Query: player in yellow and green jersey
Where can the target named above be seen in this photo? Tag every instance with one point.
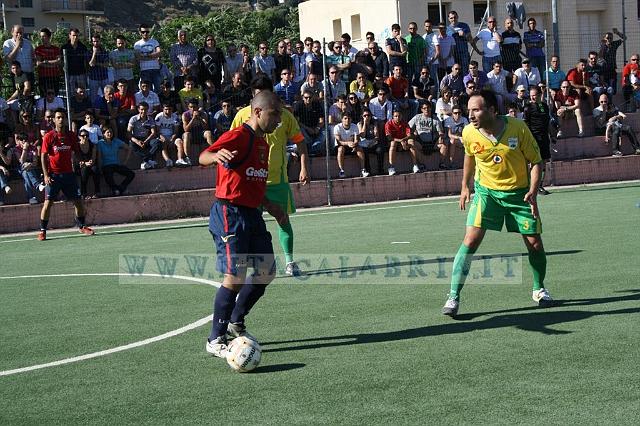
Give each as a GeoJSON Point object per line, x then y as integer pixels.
{"type": "Point", "coordinates": [498, 152]}
{"type": "Point", "coordinates": [278, 189]}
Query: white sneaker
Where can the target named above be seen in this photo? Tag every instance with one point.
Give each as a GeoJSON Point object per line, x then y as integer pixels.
{"type": "Point", "coordinates": [416, 169]}
{"type": "Point", "coordinates": [41, 187]}
{"type": "Point", "coordinates": [217, 347]}
{"type": "Point", "coordinates": [542, 298]}
{"type": "Point", "coordinates": [144, 165]}
{"type": "Point", "coordinates": [7, 189]}
{"type": "Point", "coordinates": [392, 170]}
{"type": "Point", "coordinates": [450, 308]}
{"type": "Point", "coordinates": [33, 200]}
{"type": "Point", "coordinates": [364, 173]}
{"type": "Point", "coordinates": [292, 269]}
{"type": "Point", "coordinates": [168, 164]}
{"type": "Point", "coordinates": [181, 162]}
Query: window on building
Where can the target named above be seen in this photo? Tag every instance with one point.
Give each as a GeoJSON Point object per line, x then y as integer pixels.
{"type": "Point", "coordinates": [434, 14]}
{"type": "Point", "coordinates": [337, 29]}
{"type": "Point", "coordinates": [26, 3]}
{"type": "Point", "coordinates": [356, 33]}
{"type": "Point", "coordinates": [479, 10]}
{"type": "Point", "coordinates": [28, 22]}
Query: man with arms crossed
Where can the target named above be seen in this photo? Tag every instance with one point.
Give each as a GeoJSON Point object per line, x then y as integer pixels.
{"type": "Point", "coordinates": [498, 153]}
{"type": "Point", "coordinates": [236, 224]}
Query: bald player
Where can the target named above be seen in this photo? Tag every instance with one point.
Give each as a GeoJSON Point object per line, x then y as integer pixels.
{"type": "Point", "coordinates": [235, 222]}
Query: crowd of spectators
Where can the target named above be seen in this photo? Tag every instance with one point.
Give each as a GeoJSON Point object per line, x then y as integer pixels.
{"type": "Point", "coordinates": [408, 92]}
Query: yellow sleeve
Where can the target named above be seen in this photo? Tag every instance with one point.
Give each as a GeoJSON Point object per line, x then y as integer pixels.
{"type": "Point", "coordinates": [241, 117]}
{"type": "Point", "coordinates": [529, 146]}
{"type": "Point", "coordinates": [293, 128]}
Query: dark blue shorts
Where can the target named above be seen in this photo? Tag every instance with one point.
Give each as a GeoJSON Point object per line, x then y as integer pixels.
{"type": "Point", "coordinates": [65, 182]}
{"type": "Point", "coordinates": [241, 239]}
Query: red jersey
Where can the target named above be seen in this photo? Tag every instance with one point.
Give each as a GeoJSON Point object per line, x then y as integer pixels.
{"type": "Point", "coordinates": [398, 86]}
{"type": "Point", "coordinates": [569, 100]}
{"type": "Point", "coordinates": [59, 147]}
{"type": "Point", "coordinates": [244, 183]}
{"type": "Point", "coordinates": [48, 53]}
{"type": "Point", "coordinates": [577, 77]}
{"type": "Point", "coordinates": [126, 101]}
{"type": "Point", "coordinates": [397, 130]}
{"type": "Point", "coordinates": [630, 69]}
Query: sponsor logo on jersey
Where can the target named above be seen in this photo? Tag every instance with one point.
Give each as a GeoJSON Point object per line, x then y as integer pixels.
{"type": "Point", "coordinates": [477, 148]}
{"type": "Point", "coordinates": [262, 154]}
{"type": "Point", "coordinates": [257, 173]}
{"type": "Point", "coordinates": [513, 143]}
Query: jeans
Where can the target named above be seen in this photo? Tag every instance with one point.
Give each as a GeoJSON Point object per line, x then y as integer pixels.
{"type": "Point", "coordinates": [154, 77]}
{"type": "Point", "coordinates": [487, 62]}
{"type": "Point", "coordinates": [149, 151]}
{"type": "Point", "coordinates": [108, 172]}
{"type": "Point", "coordinates": [4, 182]}
{"type": "Point", "coordinates": [315, 144]}
{"type": "Point", "coordinates": [539, 62]}
{"type": "Point", "coordinates": [617, 131]}
{"type": "Point", "coordinates": [31, 181]}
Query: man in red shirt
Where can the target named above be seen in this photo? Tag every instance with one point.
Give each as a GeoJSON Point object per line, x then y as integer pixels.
{"type": "Point", "coordinates": [239, 232]}
{"type": "Point", "coordinates": [48, 60]}
{"type": "Point", "coordinates": [399, 136]}
{"type": "Point", "coordinates": [58, 147]}
{"type": "Point", "coordinates": [400, 93]}
{"type": "Point", "coordinates": [579, 79]}
{"type": "Point", "coordinates": [568, 103]}
{"type": "Point", "coordinates": [630, 81]}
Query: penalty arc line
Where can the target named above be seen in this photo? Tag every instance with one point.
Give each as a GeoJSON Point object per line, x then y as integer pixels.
{"type": "Point", "coordinates": [105, 352]}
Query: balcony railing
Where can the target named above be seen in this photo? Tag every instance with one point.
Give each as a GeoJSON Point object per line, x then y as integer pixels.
{"type": "Point", "coordinates": [48, 5]}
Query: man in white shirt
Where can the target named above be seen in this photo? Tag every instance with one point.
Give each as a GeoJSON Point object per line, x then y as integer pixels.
{"type": "Point", "coordinates": [497, 81]}
{"type": "Point", "coordinates": [526, 75]}
{"type": "Point", "coordinates": [151, 98]}
{"type": "Point", "coordinates": [20, 49]}
{"type": "Point", "coordinates": [491, 40]}
{"type": "Point", "coordinates": [148, 51]}
{"type": "Point", "coordinates": [347, 137]}
{"type": "Point", "coordinates": [444, 46]}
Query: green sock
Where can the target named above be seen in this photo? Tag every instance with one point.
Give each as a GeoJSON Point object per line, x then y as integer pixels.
{"type": "Point", "coordinates": [461, 265]}
{"type": "Point", "coordinates": [285, 233]}
{"type": "Point", "coordinates": [538, 262]}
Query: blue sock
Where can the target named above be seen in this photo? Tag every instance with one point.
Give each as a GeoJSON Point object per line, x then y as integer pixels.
{"type": "Point", "coordinates": [223, 305]}
{"type": "Point", "coordinates": [248, 296]}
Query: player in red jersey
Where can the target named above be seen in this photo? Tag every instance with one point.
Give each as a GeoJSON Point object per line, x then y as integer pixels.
{"type": "Point", "coordinates": [239, 232]}
{"type": "Point", "coordinates": [58, 147]}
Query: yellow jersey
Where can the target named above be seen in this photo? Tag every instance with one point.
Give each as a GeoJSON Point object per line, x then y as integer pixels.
{"type": "Point", "coordinates": [502, 165]}
{"type": "Point", "coordinates": [288, 130]}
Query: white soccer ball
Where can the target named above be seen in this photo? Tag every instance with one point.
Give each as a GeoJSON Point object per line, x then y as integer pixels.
{"type": "Point", "coordinates": [243, 354]}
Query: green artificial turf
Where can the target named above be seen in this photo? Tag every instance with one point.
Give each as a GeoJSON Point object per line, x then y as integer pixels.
{"type": "Point", "coordinates": [337, 348]}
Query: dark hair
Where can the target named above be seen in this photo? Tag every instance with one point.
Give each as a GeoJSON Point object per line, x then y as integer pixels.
{"type": "Point", "coordinates": [143, 25]}
{"type": "Point", "coordinates": [22, 136]}
{"type": "Point", "coordinates": [16, 63]}
{"type": "Point", "coordinates": [345, 114]}
{"type": "Point", "coordinates": [147, 82]}
{"type": "Point", "coordinates": [308, 39]}
{"type": "Point", "coordinates": [346, 36]}
{"type": "Point", "coordinates": [46, 30]}
{"type": "Point", "coordinates": [369, 33]}
{"type": "Point", "coordinates": [167, 104]}
{"type": "Point", "coordinates": [582, 61]}
{"type": "Point", "coordinates": [428, 21]}
{"type": "Point", "coordinates": [121, 37]}
{"type": "Point", "coordinates": [474, 63]}
{"type": "Point", "coordinates": [261, 82]}
{"type": "Point", "coordinates": [489, 98]}
{"type": "Point", "coordinates": [341, 98]}
{"type": "Point", "coordinates": [395, 27]}
{"type": "Point", "coordinates": [331, 45]}
{"type": "Point", "coordinates": [593, 52]}
{"type": "Point", "coordinates": [61, 111]}
{"type": "Point", "coordinates": [74, 30]}
{"type": "Point", "coordinates": [143, 104]}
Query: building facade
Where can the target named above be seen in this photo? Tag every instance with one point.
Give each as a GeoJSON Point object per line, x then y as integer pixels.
{"type": "Point", "coordinates": [35, 14]}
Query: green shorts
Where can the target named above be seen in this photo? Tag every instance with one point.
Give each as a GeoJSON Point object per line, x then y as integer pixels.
{"type": "Point", "coordinates": [490, 209]}
{"type": "Point", "coordinates": [280, 194]}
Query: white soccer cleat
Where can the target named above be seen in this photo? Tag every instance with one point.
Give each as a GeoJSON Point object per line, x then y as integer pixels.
{"type": "Point", "coordinates": [542, 298]}
{"type": "Point", "coordinates": [217, 347]}
{"type": "Point", "coordinates": [292, 269]}
{"type": "Point", "coordinates": [364, 173]}
{"type": "Point", "coordinates": [181, 162]}
{"type": "Point", "coordinates": [144, 165]}
{"type": "Point", "coordinates": [392, 170]}
{"type": "Point", "coordinates": [450, 308]}
{"type": "Point", "coordinates": [416, 169]}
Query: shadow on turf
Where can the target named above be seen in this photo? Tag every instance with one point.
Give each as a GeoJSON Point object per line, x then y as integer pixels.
{"type": "Point", "coordinates": [521, 318]}
{"type": "Point", "coordinates": [278, 367]}
{"type": "Point", "coordinates": [419, 262]}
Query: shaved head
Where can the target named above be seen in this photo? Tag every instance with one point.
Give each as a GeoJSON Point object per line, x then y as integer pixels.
{"type": "Point", "coordinates": [265, 100]}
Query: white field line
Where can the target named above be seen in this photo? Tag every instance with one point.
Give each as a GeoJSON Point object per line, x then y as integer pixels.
{"type": "Point", "coordinates": [105, 352]}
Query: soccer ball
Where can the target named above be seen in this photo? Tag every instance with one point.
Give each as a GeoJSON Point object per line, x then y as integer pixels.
{"type": "Point", "coordinates": [243, 354]}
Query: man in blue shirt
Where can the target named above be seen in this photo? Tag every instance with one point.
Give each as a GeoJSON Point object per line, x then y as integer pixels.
{"type": "Point", "coordinates": [534, 42]}
{"type": "Point", "coordinates": [461, 33]}
{"type": "Point", "coordinates": [109, 161]}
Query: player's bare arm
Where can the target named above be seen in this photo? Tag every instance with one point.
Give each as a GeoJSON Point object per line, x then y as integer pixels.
{"type": "Point", "coordinates": [208, 158]}
{"type": "Point", "coordinates": [467, 174]}
{"type": "Point", "coordinates": [530, 196]}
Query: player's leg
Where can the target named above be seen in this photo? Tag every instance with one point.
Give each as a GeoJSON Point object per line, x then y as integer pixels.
{"type": "Point", "coordinates": [340, 159]}
{"type": "Point", "coordinates": [226, 225]}
{"type": "Point", "coordinates": [282, 196]}
{"type": "Point", "coordinates": [262, 261]}
{"type": "Point", "coordinates": [413, 147]}
{"type": "Point", "coordinates": [538, 264]}
{"type": "Point", "coordinates": [361, 157]}
{"type": "Point", "coordinates": [208, 136]}
{"type": "Point", "coordinates": [392, 157]}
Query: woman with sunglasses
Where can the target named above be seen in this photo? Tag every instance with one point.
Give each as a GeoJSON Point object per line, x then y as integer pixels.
{"type": "Point", "coordinates": [211, 60]}
{"type": "Point", "coordinates": [85, 164]}
{"type": "Point", "coordinates": [354, 107]}
{"type": "Point", "coordinates": [368, 132]}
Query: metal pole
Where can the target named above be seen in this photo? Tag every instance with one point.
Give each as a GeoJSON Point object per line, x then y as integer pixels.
{"type": "Point", "coordinates": [66, 86]}
{"type": "Point", "coordinates": [554, 27]}
{"type": "Point", "coordinates": [624, 31]}
{"type": "Point", "coordinates": [4, 18]}
{"type": "Point", "coordinates": [326, 118]}
{"type": "Point", "coordinates": [440, 11]}
{"type": "Point", "coordinates": [88, 25]}
{"type": "Point", "coordinates": [489, 8]}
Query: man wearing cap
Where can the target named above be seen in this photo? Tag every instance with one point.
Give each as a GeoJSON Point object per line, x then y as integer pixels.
{"type": "Point", "coordinates": [526, 75]}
